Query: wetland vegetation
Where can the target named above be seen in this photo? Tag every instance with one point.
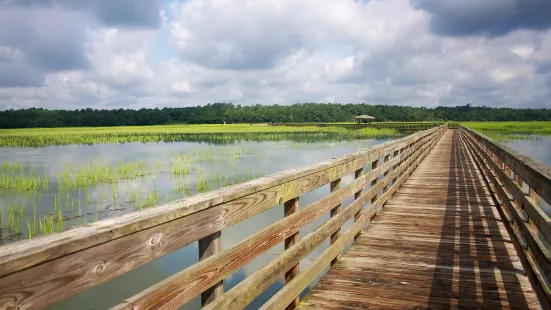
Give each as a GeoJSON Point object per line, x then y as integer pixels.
{"type": "Point", "coordinates": [57, 178]}
{"type": "Point", "coordinates": [54, 179]}
{"type": "Point", "coordinates": [221, 134]}
{"type": "Point", "coordinates": [509, 132]}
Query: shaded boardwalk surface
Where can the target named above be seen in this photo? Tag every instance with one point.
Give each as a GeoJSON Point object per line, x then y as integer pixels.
{"type": "Point", "coordinates": [439, 243]}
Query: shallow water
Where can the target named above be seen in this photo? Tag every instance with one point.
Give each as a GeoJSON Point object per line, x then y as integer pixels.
{"type": "Point", "coordinates": [539, 148]}
{"type": "Point", "coordinates": [207, 163]}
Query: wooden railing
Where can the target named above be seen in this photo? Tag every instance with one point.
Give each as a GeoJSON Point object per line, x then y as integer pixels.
{"type": "Point", "coordinates": [520, 185]}
{"type": "Point", "coordinates": [405, 126]}
{"type": "Point", "coordinates": [42, 271]}
{"type": "Point", "coordinates": [413, 125]}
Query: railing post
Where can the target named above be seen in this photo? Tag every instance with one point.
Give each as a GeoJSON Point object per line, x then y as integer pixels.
{"type": "Point", "coordinates": [357, 174]}
{"type": "Point", "coordinates": [386, 158]}
{"type": "Point", "coordinates": [518, 180]}
{"type": "Point", "coordinates": [209, 246]}
{"type": "Point", "coordinates": [507, 170]}
{"type": "Point", "coordinates": [374, 166]}
{"type": "Point", "coordinates": [532, 193]}
{"type": "Point", "coordinates": [289, 208]}
{"type": "Point", "coordinates": [396, 153]}
{"type": "Point", "coordinates": [335, 185]}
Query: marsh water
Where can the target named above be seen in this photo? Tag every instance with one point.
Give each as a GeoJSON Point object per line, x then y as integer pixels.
{"type": "Point", "coordinates": [86, 183]}
{"type": "Point", "coordinates": [537, 147]}
{"type": "Point", "coordinates": [59, 187]}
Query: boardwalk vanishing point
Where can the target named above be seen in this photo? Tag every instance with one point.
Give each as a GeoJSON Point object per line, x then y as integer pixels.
{"type": "Point", "coordinates": [439, 243]}
{"type": "Point", "coordinates": [443, 219]}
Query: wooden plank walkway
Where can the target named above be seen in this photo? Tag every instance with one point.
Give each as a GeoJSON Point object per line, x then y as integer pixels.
{"type": "Point", "coordinates": [439, 243]}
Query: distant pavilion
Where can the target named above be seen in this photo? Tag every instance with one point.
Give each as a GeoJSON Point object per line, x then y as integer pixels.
{"type": "Point", "coordinates": [363, 119]}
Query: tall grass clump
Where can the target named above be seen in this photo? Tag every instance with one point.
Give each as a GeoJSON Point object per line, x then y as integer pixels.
{"type": "Point", "coordinates": [32, 137]}
{"type": "Point", "coordinates": [526, 128]}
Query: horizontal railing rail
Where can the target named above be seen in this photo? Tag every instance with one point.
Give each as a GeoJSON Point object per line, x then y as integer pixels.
{"type": "Point", "coordinates": [391, 125]}
{"type": "Point", "coordinates": [41, 271]}
{"type": "Point", "coordinates": [520, 185]}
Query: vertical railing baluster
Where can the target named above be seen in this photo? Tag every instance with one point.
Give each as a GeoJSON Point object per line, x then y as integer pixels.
{"type": "Point", "coordinates": [535, 197]}
{"type": "Point", "coordinates": [357, 174]}
{"type": "Point", "coordinates": [334, 186]}
{"type": "Point", "coordinates": [402, 150]}
{"type": "Point", "coordinates": [374, 166]}
{"type": "Point", "coordinates": [507, 170]}
{"type": "Point", "coordinates": [396, 153]}
{"type": "Point", "coordinates": [209, 246]}
{"type": "Point", "coordinates": [289, 208]}
{"type": "Point", "coordinates": [386, 159]}
{"type": "Point", "coordinates": [518, 180]}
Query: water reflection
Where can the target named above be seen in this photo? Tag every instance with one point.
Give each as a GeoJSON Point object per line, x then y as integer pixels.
{"type": "Point", "coordinates": [265, 157]}
{"type": "Point", "coordinates": [539, 148]}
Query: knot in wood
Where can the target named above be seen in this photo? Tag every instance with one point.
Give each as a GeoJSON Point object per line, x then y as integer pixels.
{"type": "Point", "coordinates": [155, 239]}
{"type": "Point", "coordinates": [99, 266]}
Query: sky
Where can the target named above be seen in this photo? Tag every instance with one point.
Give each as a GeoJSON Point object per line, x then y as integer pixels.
{"type": "Point", "coordinates": [105, 54]}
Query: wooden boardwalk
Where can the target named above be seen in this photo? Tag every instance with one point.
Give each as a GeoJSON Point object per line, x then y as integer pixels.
{"type": "Point", "coordinates": [455, 222]}
{"type": "Point", "coordinates": [439, 243]}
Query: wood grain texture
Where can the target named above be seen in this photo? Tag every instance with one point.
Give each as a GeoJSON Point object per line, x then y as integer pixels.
{"type": "Point", "coordinates": [243, 293]}
{"type": "Point", "coordinates": [534, 249]}
{"type": "Point", "coordinates": [209, 246]}
{"type": "Point", "coordinates": [321, 262]}
{"type": "Point", "coordinates": [39, 272]}
{"type": "Point", "coordinates": [357, 174]}
{"type": "Point", "coordinates": [450, 250]}
{"type": "Point", "coordinates": [173, 291]}
{"type": "Point", "coordinates": [17, 256]}
{"type": "Point", "coordinates": [535, 174]}
{"type": "Point", "coordinates": [60, 265]}
{"type": "Point", "coordinates": [514, 192]}
{"type": "Point", "coordinates": [334, 186]}
{"type": "Point", "coordinates": [291, 207]}
{"type": "Point", "coordinates": [305, 278]}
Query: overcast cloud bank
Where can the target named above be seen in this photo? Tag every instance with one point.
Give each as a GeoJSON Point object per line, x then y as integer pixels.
{"type": "Point", "coordinates": [146, 53]}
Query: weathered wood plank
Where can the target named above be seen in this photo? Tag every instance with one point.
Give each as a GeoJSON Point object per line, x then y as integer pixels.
{"type": "Point", "coordinates": [357, 174]}
{"type": "Point", "coordinates": [536, 253]}
{"type": "Point", "coordinates": [334, 186]}
{"type": "Point", "coordinates": [447, 247]}
{"type": "Point", "coordinates": [90, 255]}
{"type": "Point", "coordinates": [291, 207]}
{"type": "Point", "coordinates": [302, 280]}
{"type": "Point", "coordinates": [243, 293]}
{"type": "Point", "coordinates": [172, 291]}
{"type": "Point", "coordinates": [513, 190]}
{"type": "Point", "coordinates": [239, 296]}
{"type": "Point", "coordinates": [208, 247]}
{"type": "Point", "coordinates": [532, 172]}
{"type": "Point", "coordinates": [17, 256]}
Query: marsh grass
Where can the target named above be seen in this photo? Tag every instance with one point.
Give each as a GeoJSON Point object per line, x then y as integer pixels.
{"type": "Point", "coordinates": [33, 137]}
{"type": "Point", "coordinates": [43, 199]}
{"type": "Point", "coordinates": [508, 128]}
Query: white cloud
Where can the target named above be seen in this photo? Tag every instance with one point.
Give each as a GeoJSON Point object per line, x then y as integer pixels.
{"type": "Point", "coordinates": [267, 52]}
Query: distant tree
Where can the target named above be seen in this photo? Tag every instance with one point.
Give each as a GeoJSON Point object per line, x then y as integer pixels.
{"type": "Point", "coordinates": [217, 113]}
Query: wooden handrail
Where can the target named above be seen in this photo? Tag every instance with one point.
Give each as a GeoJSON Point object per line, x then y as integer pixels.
{"type": "Point", "coordinates": [41, 271]}
{"type": "Point", "coordinates": [506, 172]}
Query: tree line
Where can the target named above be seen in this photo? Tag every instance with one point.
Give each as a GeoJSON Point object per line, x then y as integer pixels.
{"type": "Point", "coordinates": [218, 113]}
